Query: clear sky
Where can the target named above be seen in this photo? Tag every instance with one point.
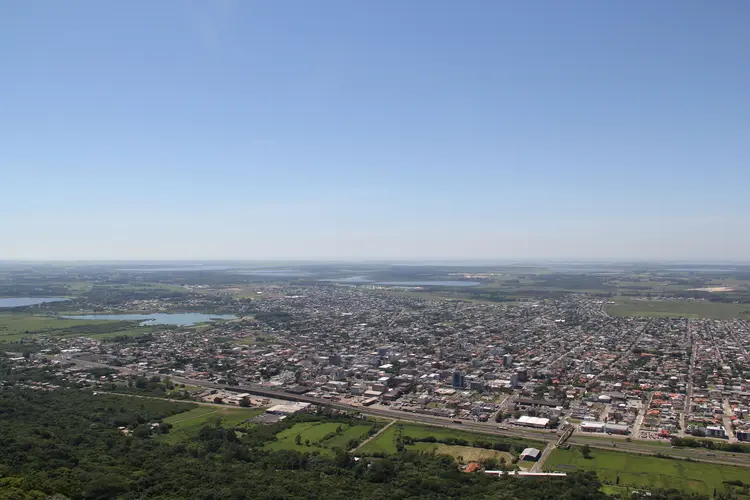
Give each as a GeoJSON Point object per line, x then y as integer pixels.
{"type": "Point", "coordinates": [375, 129]}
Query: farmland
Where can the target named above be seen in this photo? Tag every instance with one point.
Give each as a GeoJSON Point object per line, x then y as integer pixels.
{"type": "Point", "coordinates": [678, 308]}
{"type": "Point", "coordinates": [463, 453]}
{"type": "Point", "coordinates": [187, 425]}
{"type": "Point", "coordinates": [454, 442]}
{"type": "Point", "coordinates": [641, 471]}
{"type": "Point", "coordinates": [323, 437]}
{"type": "Point", "coordinates": [17, 326]}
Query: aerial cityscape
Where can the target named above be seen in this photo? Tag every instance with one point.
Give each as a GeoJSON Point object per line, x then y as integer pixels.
{"type": "Point", "coordinates": [627, 357]}
{"type": "Point", "coordinates": [382, 250]}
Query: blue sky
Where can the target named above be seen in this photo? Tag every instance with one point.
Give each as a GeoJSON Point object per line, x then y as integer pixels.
{"type": "Point", "coordinates": [375, 129]}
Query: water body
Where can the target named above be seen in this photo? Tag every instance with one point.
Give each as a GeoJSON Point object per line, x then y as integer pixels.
{"type": "Point", "coordinates": [277, 272]}
{"type": "Point", "coordinates": [429, 283]}
{"type": "Point", "coordinates": [28, 301]}
{"type": "Point", "coordinates": [174, 269]}
{"type": "Point", "coordinates": [701, 269]}
{"type": "Point", "coordinates": [350, 279]}
{"type": "Point", "coordinates": [180, 319]}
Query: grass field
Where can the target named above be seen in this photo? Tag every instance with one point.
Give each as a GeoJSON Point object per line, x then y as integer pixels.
{"type": "Point", "coordinates": [186, 426]}
{"type": "Point", "coordinates": [386, 442]}
{"type": "Point", "coordinates": [315, 433]}
{"type": "Point", "coordinates": [17, 326]}
{"type": "Point", "coordinates": [142, 287]}
{"type": "Point", "coordinates": [641, 471]}
{"type": "Point", "coordinates": [678, 308]}
{"type": "Point", "coordinates": [462, 454]}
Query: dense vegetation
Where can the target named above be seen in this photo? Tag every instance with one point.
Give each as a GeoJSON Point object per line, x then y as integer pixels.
{"type": "Point", "coordinates": [68, 443]}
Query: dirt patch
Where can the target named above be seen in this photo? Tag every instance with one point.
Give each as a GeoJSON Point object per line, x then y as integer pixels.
{"type": "Point", "coordinates": [470, 454]}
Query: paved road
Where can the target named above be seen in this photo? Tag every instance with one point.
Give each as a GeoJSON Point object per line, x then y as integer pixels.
{"type": "Point", "coordinates": [727, 419]}
{"type": "Point", "coordinates": [634, 446]}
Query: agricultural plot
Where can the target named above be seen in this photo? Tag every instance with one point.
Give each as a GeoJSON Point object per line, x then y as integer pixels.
{"type": "Point", "coordinates": [14, 327]}
{"type": "Point", "coordinates": [387, 442]}
{"type": "Point", "coordinates": [463, 454]}
{"type": "Point", "coordinates": [678, 308]}
{"type": "Point", "coordinates": [642, 471]}
{"type": "Point", "coordinates": [187, 425]}
{"type": "Point", "coordinates": [323, 437]}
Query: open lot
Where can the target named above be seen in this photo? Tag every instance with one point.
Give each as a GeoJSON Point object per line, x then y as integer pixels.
{"type": "Point", "coordinates": [17, 326]}
{"type": "Point", "coordinates": [386, 442]}
{"type": "Point", "coordinates": [316, 436]}
{"type": "Point", "coordinates": [463, 454]}
{"type": "Point", "coordinates": [678, 308]}
{"type": "Point", "coordinates": [187, 425]}
{"type": "Point", "coordinates": [642, 471]}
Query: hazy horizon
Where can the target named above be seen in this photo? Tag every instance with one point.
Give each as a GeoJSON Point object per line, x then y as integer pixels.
{"type": "Point", "coordinates": [429, 130]}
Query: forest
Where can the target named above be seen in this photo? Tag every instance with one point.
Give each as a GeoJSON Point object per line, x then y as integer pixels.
{"type": "Point", "coordinates": [70, 443]}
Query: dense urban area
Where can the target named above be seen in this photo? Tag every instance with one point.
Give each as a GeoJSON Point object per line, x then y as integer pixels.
{"type": "Point", "coordinates": [635, 378]}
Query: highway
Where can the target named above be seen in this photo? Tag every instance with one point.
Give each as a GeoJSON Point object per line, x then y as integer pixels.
{"type": "Point", "coordinates": [612, 443]}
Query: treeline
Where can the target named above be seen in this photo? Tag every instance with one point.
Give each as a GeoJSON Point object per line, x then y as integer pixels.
{"type": "Point", "coordinates": [711, 445]}
{"type": "Point", "coordinates": [153, 386]}
{"type": "Point", "coordinates": [110, 295]}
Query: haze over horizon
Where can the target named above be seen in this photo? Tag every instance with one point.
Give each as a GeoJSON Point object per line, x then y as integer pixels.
{"type": "Point", "coordinates": [340, 130]}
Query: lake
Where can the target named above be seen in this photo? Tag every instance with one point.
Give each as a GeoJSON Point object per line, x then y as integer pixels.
{"type": "Point", "coordinates": [179, 319]}
{"type": "Point", "coordinates": [156, 269]}
{"type": "Point", "coordinates": [429, 283]}
{"type": "Point", "coordinates": [28, 301]}
{"type": "Point", "coordinates": [350, 279]}
{"type": "Point", "coordinates": [282, 273]}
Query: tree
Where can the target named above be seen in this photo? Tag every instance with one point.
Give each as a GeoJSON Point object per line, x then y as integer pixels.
{"type": "Point", "coordinates": [245, 402]}
{"type": "Point", "coordinates": [218, 400]}
{"type": "Point", "coordinates": [105, 486]}
{"type": "Point", "coordinates": [297, 440]}
{"type": "Point", "coordinates": [586, 451]}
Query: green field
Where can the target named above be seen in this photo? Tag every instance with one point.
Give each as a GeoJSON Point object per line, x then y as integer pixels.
{"type": "Point", "coordinates": [678, 308]}
{"type": "Point", "coordinates": [186, 426]}
{"type": "Point", "coordinates": [141, 287]}
{"type": "Point", "coordinates": [17, 326]}
{"type": "Point", "coordinates": [642, 471]}
{"type": "Point", "coordinates": [386, 442]}
{"type": "Point", "coordinates": [315, 433]}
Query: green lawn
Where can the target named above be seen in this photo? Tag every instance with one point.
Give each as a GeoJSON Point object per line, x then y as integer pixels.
{"type": "Point", "coordinates": [386, 442]}
{"type": "Point", "coordinates": [315, 433]}
{"type": "Point", "coordinates": [186, 426]}
{"type": "Point", "coordinates": [642, 471]}
{"type": "Point", "coordinates": [678, 308]}
{"type": "Point", "coordinates": [17, 326]}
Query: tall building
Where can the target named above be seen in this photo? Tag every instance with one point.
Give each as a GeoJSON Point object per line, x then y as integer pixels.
{"type": "Point", "coordinates": [507, 360]}
{"type": "Point", "coordinates": [588, 366]}
{"type": "Point", "coordinates": [459, 379]}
